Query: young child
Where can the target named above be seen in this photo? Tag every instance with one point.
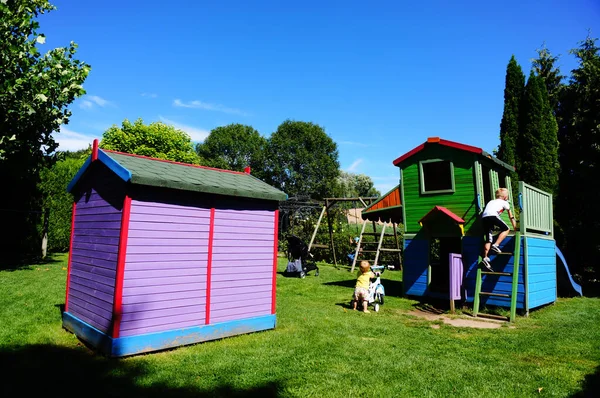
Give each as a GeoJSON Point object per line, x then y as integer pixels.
{"type": "Point", "coordinates": [361, 291]}
{"type": "Point", "coordinates": [490, 219]}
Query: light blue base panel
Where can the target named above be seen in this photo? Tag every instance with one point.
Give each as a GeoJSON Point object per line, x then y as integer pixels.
{"type": "Point", "coordinates": [541, 271]}
{"type": "Point", "coordinates": [131, 345]}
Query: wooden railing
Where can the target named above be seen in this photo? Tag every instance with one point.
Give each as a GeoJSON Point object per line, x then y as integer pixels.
{"type": "Point", "coordinates": [536, 210]}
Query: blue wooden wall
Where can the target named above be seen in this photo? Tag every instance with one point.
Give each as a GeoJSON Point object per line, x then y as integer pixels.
{"type": "Point", "coordinates": [472, 248]}
{"type": "Point", "coordinates": [541, 271]}
{"type": "Point", "coordinates": [537, 255]}
{"type": "Point", "coordinates": [416, 263]}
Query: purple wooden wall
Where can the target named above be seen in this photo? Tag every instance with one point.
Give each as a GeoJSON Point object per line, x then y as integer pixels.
{"type": "Point", "coordinates": [456, 276]}
{"type": "Point", "coordinates": [242, 264]}
{"type": "Point", "coordinates": [94, 251]}
{"type": "Point", "coordinates": [164, 284]}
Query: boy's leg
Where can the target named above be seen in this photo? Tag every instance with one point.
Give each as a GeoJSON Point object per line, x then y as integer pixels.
{"type": "Point", "coordinates": [365, 306]}
{"type": "Point", "coordinates": [501, 237]}
{"type": "Point", "coordinates": [486, 249]}
{"type": "Point", "coordinates": [503, 231]}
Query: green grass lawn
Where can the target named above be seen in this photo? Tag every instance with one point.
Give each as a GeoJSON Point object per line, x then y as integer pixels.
{"type": "Point", "coordinates": [320, 348]}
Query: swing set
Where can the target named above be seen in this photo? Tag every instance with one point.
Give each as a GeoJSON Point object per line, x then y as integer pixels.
{"type": "Point", "coordinates": [364, 247]}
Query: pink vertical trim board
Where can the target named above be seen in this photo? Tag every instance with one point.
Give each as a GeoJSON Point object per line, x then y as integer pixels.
{"type": "Point", "coordinates": [211, 233]}
{"type": "Point", "coordinates": [118, 296]}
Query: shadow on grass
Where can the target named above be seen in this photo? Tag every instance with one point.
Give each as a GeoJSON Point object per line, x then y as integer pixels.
{"type": "Point", "coordinates": [47, 370]}
{"type": "Point", "coordinates": [591, 386]}
{"type": "Point", "coordinates": [23, 264]}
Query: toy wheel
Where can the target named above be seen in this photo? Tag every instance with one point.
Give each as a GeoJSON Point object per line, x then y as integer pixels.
{"type": "Point", "coordinates": [376, 307]}
{"type": "Point", "coordinates": [302, 274]}
{"type": "Point", "coordinates": [317, 273]}
{"type": "Point", "coordinates": [381, 298]}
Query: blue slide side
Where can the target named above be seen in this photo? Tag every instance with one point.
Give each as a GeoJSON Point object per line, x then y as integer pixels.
{"type": "Point", "coordinates": [576, 286]}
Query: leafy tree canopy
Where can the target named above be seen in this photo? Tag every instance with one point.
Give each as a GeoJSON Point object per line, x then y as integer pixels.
{"type": "Point", "coordinates": [352, 185]}
{"type": "Point", "coordinates": [35, 91]}
{"type": "Point", "coordinates": [157, 140]}
{"type": "Point", "coordinates": [301, 159]}
{"type": "Point", "coordinates": [233, 147]}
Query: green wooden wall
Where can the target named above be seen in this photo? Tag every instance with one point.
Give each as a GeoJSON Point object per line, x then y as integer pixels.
{"type": "Point", "coordinates": [462, 202]}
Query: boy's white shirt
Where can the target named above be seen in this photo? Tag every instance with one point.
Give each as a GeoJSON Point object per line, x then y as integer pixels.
{"type": "Point", "coordinates": [495, 207]}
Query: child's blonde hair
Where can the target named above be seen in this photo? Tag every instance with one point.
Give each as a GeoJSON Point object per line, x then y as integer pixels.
{"type": "Point", "coordinates": [364, 266]}
{"type": "Point", "coordinates": [501, 193]}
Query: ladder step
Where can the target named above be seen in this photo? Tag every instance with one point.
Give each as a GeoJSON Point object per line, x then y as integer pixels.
{"type": "Point", "coordinates": [369, 251]}
{"type": "Point", "coordinates": [501, 254]}
{"type": "Point", "coordinates": [318, 246]}
{"type": "Point", "coordinates": [376, 234]}
{"type": "Point", "coordinates": [390, 250]}
{"type": "Point", "coordinates": [496, 273]}
{"type": "Point", "coordinates": [494, 294]}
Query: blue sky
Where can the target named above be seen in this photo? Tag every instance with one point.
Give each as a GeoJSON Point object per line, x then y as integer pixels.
{"type": "Point", "coordinates": [379, 78]}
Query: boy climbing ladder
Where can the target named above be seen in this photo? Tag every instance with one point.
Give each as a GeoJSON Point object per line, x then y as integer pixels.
{"type": "Point", "coordinates": [490, 219]}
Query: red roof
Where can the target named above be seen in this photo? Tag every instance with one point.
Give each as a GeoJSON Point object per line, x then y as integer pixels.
{"type": "Point", "coordinates": [439, 141]}
{"type": "Point", "coordinates": [445, 211]}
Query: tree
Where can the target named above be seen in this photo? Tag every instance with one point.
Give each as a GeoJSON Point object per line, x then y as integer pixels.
{"type": "Point", "coordinates": [545, 67]}
{"type": "Point", "coordinates": [579, 137]}
{"type": "Point", "coordinates": [509, 126]}
{"type": "Point", "coordinates": [301, 159]}
{"type": "Point", "coordinates": [537, 147]}
{"type": "Point", "coordinates": [233, 147]}
{"type": "Point", "coordinates": [352, 185]}
{"type": "Point", "coordinates": [157, 140]}
{"type": "Point", "coordinates": [35, 92]}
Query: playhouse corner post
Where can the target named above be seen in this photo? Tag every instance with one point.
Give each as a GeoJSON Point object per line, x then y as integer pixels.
{"type": "Point", "coordinates": [275, 247]}
{"type": "Point", "coordinates": [120, 274]}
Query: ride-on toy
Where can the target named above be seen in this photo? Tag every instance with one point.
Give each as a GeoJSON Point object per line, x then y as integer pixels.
{"type": "Point", "coordinates": [376, 289]}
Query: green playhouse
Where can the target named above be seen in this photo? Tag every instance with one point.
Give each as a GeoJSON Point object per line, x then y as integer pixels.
{"type": "Point", "coordinates": [444, 187]}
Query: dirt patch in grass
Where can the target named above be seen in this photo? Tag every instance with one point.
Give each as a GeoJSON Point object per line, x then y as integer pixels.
{"type": "Point", "coordinates": [456, 321]}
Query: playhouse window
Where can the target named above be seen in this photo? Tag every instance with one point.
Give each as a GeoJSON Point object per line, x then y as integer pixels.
{"type": "Point", "coordinates": [437, 176]}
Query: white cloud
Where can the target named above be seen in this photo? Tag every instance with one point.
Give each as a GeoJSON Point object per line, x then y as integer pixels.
{"type": "Point", "coordinates": [385, 184]}
{"type": "Point", "coordinates": [208, 107]}
{"type": "Point", "coordinates": [149, 95]}
{"type": "Point", "coordinates": [86, 105]}
{"type": "Point", "coordinates": [99, 100]}
{"type": "Point", "coordinates": [354, 165]}
{"type": "Point", "coordinates": [196, 134]}
{"type": "Point", "coordinates": [89, 101]}
{"type": "Point", "coordinates": [353, 143]}
{"type": "Point", "coordinates": [69, 140]}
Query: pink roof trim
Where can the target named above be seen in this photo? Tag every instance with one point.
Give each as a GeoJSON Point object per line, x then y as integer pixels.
{"type": "Point", "coordinates": [438, 141]}
{"type": "Point", "coordinates": [445, 211]}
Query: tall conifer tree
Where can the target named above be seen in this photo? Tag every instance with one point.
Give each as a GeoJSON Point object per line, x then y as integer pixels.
{"type": "Point", "coordinates": [537, 146]}
{"type": "Point", "coordinates": [545, 67]}
{"type": "Point", "coordinates": [509, 126]}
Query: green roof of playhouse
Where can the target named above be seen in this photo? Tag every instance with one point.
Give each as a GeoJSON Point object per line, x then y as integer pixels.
{"type": "Point", "coordinates": [142, 170]}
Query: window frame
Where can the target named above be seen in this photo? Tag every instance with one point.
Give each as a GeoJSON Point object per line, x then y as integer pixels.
{"type": "Point", "coordinates": [422, 177]}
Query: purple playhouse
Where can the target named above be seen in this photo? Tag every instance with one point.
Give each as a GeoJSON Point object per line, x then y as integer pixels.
{"type": "Point", "coordinates": [165, 254]}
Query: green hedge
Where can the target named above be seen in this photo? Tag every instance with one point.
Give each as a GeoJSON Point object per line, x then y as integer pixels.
{"type": "Point", "coordinates": [58, 202]}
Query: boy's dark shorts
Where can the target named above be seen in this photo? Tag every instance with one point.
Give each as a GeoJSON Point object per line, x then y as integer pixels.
{"type": "Point", "coordinates": [488, 226]}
